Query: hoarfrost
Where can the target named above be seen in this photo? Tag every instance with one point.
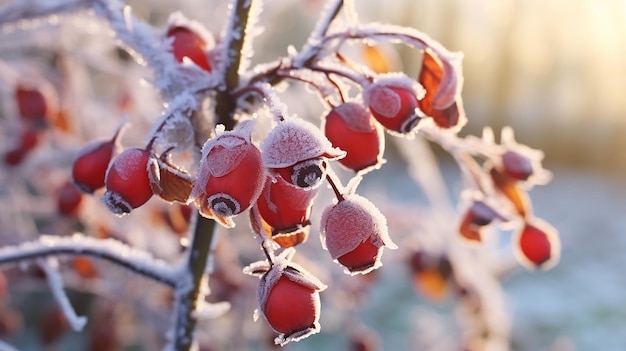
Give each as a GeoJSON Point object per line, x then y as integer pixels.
{"type": "Point", "coordinates": [296, 140]}
{"type": "Point", "coordinates": [356, 117]}
{"type": "Point", "coordinates": [127, 163]}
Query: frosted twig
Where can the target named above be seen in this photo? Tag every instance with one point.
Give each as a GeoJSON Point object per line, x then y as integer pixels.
{"type": "Point", "coordinates": [6, 347]}
{"type": "Point", "coordinates": [20, 12]}
{"type": "Point", "coordinates": [315, 40]}
{"type": "Point", "coordinates": [114, 251]}
{"type": "Point", "coordinates": [50, 267]}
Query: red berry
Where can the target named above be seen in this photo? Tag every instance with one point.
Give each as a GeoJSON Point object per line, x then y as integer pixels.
{"type": "Point", "coordinates": [289, 300]}
{"type": "Point", "coordinates": [127, 181]}
{"type": "Point", "coordinates": [393, 104]}
{"type": "Point", "coordinates": [90, 167]}
{"type": "Point", "coordinates": [285, 207]}
{"type": "Point", "coordinates": [231, 176]}
{"type": "Point", "coordinates": [516, 165]}
{"type": "Point", "coordinates": [290, 307]}
{"type": "Point", "coordinates": [351, 128]}
{"type": "Point", "coordinates": [14, 157]}
{"type": "Point", "coordinates": [188, 43]}
{"type": "Point", "coordinates": [31, 103]}
{"type": "Point", "coordinates": [354, 231]}
{"type": "Point", "coordinates": [69, 199]}
{"type": "Point", "coordinates": [537, 245]}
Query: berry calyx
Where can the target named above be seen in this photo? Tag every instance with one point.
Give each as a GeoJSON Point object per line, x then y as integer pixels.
{"type": "Point", "coordinates": [127, 181]}
{"type": "Point", "coordinates": [187, 43]}
{"type": "Point", "coordinates": [351, 128]}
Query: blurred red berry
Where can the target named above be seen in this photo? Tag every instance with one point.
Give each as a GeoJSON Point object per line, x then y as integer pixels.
{"type": "Point", "coordinates": [516, 165]}
{"type": "Point", "coordinates": [68, 199]}
{"type": "Point", "coordinates": [355, 232]}
{"type": "Point", "coordinates": [477, 216]}
{"type": "Point", "coordinates": [36, 104]}
{"type": "Point", "coordinates": [188, 43]}
{"type": "Point", "coordinates": [127, 181]}
{"type": "Point", "coordinates": [393, 103]}
{"type": "Point", "coordinates": [230, 177]}
{"type": "Point", "coordinates": [90, 166]}
{"type": "Point", "coordinates": [351, 128]}
{"type": "Point", "coordinates": [537, 245]}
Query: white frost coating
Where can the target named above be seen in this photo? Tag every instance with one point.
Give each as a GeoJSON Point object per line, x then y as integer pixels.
{"type": "Point", "coordinates": [350, 222]}
{"type": "Point", "coordinates": [295, 140]}
{"type": "Point", "coordinates": [207, 310]}
{"type": "Point", "coordinates": [55, 282]}
{"type": "Point", "coordinates": [18, 12]}
{"type": "Point", "coordinates": [174, 126]}
{"type": "Point", "coordinates": [113, 250]}
{"type": "Point", "coordinates": [126, 164]}
{"type": "Point", "coordinates": [356, 117]}
{"type": "Point", "coordinates": [177, 19]}
{"type": "Point", "coordinates": [312, 45]}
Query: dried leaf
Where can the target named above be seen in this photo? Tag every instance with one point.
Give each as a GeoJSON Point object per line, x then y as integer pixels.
{"type": "Point", "coordinates": [375, 59]}
{"type": "Point", "coordinates": [175, 184]}
{"type": "Point", "coordinates": [509, 188]}
{"type": "Point", "coordinates": [430, 77]}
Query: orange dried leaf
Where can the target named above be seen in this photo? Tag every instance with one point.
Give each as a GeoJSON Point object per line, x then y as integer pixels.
{"type": "Point", "coordinates": [375, 59]}
{"type": "Point", "coordinates": [84, 267]}
{"type": "Point", "coordinates": [508, 187]}
{"type": "Point", "coordinates": [431, 284]}
{"type": "Point", "coordinates": [175, 184]}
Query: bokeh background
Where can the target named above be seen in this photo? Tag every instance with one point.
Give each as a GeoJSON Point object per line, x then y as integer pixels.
{"type": "Point", "coordinates": [554, 70]}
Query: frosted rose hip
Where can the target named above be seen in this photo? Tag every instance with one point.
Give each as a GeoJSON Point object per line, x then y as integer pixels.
{"type": "Point", "coordinates": [289, 300]}
{"type": "Point", "coordinates": [230, 177]}
{"type": "Point", "coordinates": [393, 102]}
{"type": "Point", "coordinates": [90, 166]}
{"type": "Point", "coordinates": [354, 232]}
{"type": "Point", "coordinates": [187, 43]}
{"type": "Point", "coordinates": [350, 127]}
{"type": "Point", "coordinates": [127, 181]}
{"type": "Point", "coordinates": [537, 245]}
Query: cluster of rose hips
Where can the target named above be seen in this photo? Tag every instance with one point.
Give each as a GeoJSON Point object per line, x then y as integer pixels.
{"type": "Point", "coordinates": [37, 108]}
{"type": "Point", "coordinates": [509, 172]}
{"type": "Point", "coordinates": [278, 180]}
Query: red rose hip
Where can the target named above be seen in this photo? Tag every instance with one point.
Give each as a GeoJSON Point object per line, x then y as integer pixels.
{"type": "Point", "coordinates": [187, 43]}
{"type": "Point", "coordinates": [351, 128]}
{"type": "Point", "coordinates": [127, 181]}
{"type": "Point", "coordinates": [393, 102]}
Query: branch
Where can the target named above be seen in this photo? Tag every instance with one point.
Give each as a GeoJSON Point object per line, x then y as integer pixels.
{"type": "Point", "coordinates": [111, 250]}
{"type": "Point", "coordinates": [50, 267]}
{"type": "Point", "coordinates": [19, 11]}
{"type": "Point", "coordinates": [188, 288]}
